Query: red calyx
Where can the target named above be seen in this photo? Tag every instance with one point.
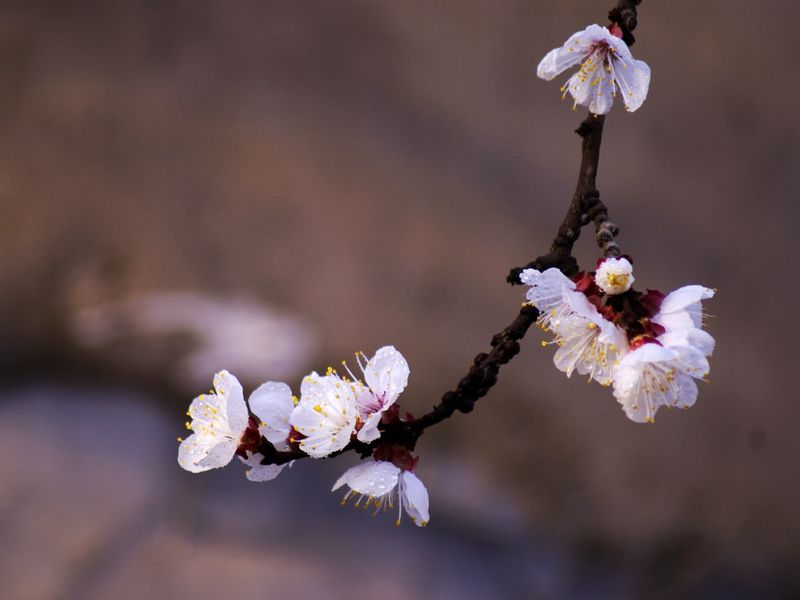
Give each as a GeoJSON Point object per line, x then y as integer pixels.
{"type": "Point", "coordinates": [651, 301]}
{"type": "Point", "coordinates": [391, 415]}
{"type": "Point", "coordinates": [641, 340]}
{"type": "Point", "coordinates": [250, 439]}
{"type": "Point", "coordinates": [615, 30]}
{"type": "Point", "coordinates": [295, 436]}
{"type": "Point", "coordinates": [397, 455]}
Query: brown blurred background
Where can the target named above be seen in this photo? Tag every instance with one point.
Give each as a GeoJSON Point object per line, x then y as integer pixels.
{"type": "Point", "coordinates": [269, 186]}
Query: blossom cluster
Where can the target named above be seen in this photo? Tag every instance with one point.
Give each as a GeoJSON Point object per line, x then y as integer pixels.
{"type": "Point", "coordinates": [332, 411]}
{"type": "Point", "coordinates": [649, 346]}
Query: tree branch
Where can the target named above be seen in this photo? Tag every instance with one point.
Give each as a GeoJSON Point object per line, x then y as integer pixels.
{"type": "Point", "coordinates": [584, 208]}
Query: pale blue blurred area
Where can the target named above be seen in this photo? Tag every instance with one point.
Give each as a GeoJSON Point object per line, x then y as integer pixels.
{"type": "Point", "coordinates": [299, 180]}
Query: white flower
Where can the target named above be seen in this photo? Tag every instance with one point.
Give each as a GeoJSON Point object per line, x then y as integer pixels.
{"type": "Point", "coordinates": [383, 484]}
{"type": "Point", "coordinates": [273, 403]}
{"type": "Point", "coordinates": [614, 276]}
{"type": "Point", "coordinates": [546, 293]}
{"type": "Point", "coordinates": [386, 375]}
{"type": "Point", "coordinates": [658, 374]}
{"type": "Point", "coordinates": [326, 414]}
{"type": "Point", "coordinates": [258, 472]}
{"type": "Point", "coordinates": [588, 343]}
{"type": "Point", "coordinates": [663, 373]}
{"type": "Point", "coordinates": [218, 421]}
{"type": "Point", "coordinates": [606, 65]}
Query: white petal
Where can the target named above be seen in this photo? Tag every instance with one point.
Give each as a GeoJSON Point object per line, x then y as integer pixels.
{"type": "Point", "coordinates": [691, 361]}
{"type": "Point", "coordinates": [415, 498]}
{"type": "Point", "coordinates": [682, 304]}
{"type": "Point", "coordinates": [387, 374]}
{"type": "Point", "coordinates": [575, 49]}
{"type": "Point", "coordinates": [602, 94]}
{"type": "Point", "coordinates": [258, 472]}
{"type": "Point", "coordinates": [632, 77]}
{"type": "Point", "coordinates": [324, 444]}
{"type": "Point", "coordinates": [578, 87]}
{"type": "Point", "coordinates": [698, 339]}
{"type": "Point", "coordinates": [219, 455]}
{"type": "Point", "coordinates": [194, 449]}
{"type": "Point", "coordinates": [649, 353]}
{"type": "Point", "coordinates": [680, 319]}
{"type": "Point", "coordinates": [547, 288]}
{"type": "Point", "coordinates": [272, 403]}
{"type": "Point", "coordinates": [687, 394]}
{"type": "Point", "coordinates": [683, 297]}
{"type": "Point", "coordinates": [581, 306]}
{"type": "Point", "coordinates": [231, 396]}
{"type": "Point", "coordinates": [371, 478]}
{"type": "Point", "coordinates": [210, 417]}
{"type": "Point", "coordinates": [369, 431]}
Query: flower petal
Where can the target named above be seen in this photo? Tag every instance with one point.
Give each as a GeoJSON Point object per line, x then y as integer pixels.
{"type": "Point", "coordinates": [687, 298]}
{"type": "Point", "coordinates": [219, 455]}
{"type": "Point", "coordinates": [698, 339]}
{"type": "Point", "coordinates": [371, 478]}
{"type": "Point", "coordinates": [575, 49]}
{"type": "Point", "coordinates": [258, 472]}
{"type": "Point", "coordinates": [546, 288]}
{"type": "Point", "coordinates": [415, 498]}
{"type": "Point", "coordinates": [369, 431]}
{"type": "Point", "coordinates": [272, 403]}
{"type": "Point", "coordinates": [193, 450]}
{"type": "Point", "coordinates": [632, 77]}
{"type": "Point", "coordinates": [387, 374]}
{"type": "Point", "coordinates": [231, 399]}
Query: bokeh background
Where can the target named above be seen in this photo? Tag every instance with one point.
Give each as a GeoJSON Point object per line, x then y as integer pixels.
{"type": "Point", "coordinates": [268, 186]}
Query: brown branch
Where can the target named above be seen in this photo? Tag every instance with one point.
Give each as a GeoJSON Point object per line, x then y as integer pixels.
{"type": "Point", "coordinates": [584, 208]}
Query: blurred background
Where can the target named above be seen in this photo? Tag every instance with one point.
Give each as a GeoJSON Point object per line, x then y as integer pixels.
{"type": "Point", "coordinates": [269, 186]}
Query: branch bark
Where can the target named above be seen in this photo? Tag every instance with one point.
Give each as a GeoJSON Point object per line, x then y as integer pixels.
{"type": "Point", "coordinates": [584, 208]}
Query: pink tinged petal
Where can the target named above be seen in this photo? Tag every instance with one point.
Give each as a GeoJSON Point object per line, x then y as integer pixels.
{"type": "Point", "coordinates": [272, 403]}
{"type": "Point", "coordinates": [370, 478]}
{"type": "Point", "coordinates": [387, 374]}
{"type": "Point", "coordinates": [632, 77]}
{"type": "Point", "coordinates": [415, 498]}
{"type": "Point", "coordinates": [231, 397]}
{"type": "Point", "coordinates": [367, 402]}
{"type": "Point", "coordinates": [573, 52]}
